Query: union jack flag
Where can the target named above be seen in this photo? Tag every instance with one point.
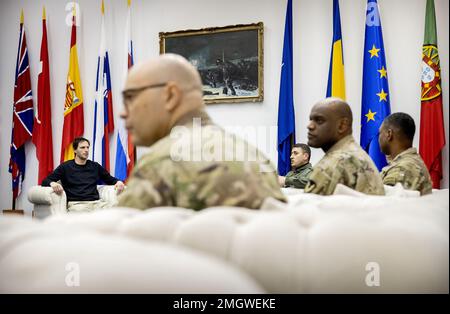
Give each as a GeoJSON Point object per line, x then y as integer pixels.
{"type": "Point", "coordinates": [23, 116]}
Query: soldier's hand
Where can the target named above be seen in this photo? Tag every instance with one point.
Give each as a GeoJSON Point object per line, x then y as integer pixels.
{"type": "Point", "coordinates": [57, 188]}
{"type": "Point", "coordinates": [281, 180]}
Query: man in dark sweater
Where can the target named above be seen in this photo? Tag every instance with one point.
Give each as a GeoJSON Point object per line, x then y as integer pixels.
{"type": "Point", "coordinates": [79, 178]}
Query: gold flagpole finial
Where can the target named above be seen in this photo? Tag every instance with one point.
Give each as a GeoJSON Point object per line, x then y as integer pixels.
{"type": "Point", "coordinates": [43, 13]}
{"type": "Point", "coordinates": [21, 17]}
{"type": "Point", "coordinates": [129, 2]}
{"type": "Point", "coordinates": [103, 7]}
{"type": "Point", "coordinates": [73, 10]}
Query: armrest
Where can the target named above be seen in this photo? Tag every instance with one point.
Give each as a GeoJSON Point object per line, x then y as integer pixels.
{"type": "Point", "coordinates": [108, 194]}
{"type": "Point", "coordinates": [46, 202]}
{"type": "Point", "coordinates": [42, 195]}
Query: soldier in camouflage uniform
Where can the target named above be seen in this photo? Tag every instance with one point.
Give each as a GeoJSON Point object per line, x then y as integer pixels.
{"type": "Point", "coordinates": [192, 163]}
{"type": "Point", "coordinates": [405, 165]}
{"type": "Point", "coordinates": [345, 162]}
{"type": "Point", "coordinates": [301, 167]}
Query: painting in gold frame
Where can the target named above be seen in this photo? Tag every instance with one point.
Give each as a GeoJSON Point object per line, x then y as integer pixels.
{"type": "Point", "coordinates": [229, 60]}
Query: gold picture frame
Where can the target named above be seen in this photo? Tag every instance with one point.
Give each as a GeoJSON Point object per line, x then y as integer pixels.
{"type": "Point", "coordinates": [229, 60]}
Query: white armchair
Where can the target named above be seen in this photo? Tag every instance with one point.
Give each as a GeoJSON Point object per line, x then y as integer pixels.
{"type": "Point", "coordinates": [46, 202]}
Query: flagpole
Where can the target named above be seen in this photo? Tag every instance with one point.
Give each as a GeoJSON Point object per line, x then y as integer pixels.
{"type": "Point", "coordinates": [134, 146]}
{"type": "Point", "coordinates": [22, 118]}
{"type": "Point", "coordinates": [286, 114]}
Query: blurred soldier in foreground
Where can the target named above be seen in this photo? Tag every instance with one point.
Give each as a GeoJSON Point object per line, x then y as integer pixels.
{"type": "Point", "coordinates": [192, 163]}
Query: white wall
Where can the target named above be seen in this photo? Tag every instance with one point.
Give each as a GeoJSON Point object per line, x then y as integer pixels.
{"type": "Point", "coordinates": [403, 28]}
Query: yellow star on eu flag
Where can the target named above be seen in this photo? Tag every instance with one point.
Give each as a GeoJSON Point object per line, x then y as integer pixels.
{"type": "Point", "coordinates": [370, 115]}
{"type": "Point", "coordinates": [383, 72]}
{"type": "Point", "coordinates": [374, 52]}
{"type": "Point", "coordinates": [382, 95]}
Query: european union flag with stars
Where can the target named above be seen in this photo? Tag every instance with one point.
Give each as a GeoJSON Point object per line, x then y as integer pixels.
{"type": "Point", "coordinates": [375, 88]}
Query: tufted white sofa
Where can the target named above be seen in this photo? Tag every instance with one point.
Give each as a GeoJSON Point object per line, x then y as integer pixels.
{"type": "Point", "coordinates": [46, 202]}
{"type": "Point", "coordinates": [345, 243]}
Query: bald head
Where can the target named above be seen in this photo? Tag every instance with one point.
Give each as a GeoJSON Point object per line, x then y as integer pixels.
{"type": "Point", "coordinates": [337, 107]}
{"type": "Point", "coordinates": [330, 120]}
{"type": "Point", "coordinates": [157, 93]}
{"type": "Point", "coordinates": [167, 68]}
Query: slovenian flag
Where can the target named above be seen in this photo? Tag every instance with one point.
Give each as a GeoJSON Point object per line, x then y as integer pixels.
{"type": "Point", "coordinates": [125, 153]}
{"type": "Point", "coordinates": [103, 110]}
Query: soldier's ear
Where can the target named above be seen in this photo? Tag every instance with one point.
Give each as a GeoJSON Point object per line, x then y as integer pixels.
{"type": "Point", "coordinates": [344, 125]}
{"type": "Point", "coordinates": [172, 96]}
{"type": "Point", "coordinates": [389, 135]}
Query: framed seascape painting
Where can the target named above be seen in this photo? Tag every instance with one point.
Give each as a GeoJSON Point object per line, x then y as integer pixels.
{"type": "Point", "coordinates": [229, 59]}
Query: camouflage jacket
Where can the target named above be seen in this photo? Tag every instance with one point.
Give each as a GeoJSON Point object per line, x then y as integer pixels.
{"type": "Point", "coordinates": [409, 169]}
{"type": "Point", "coordinates": [299, 177]}
{"type": "Point", "coordinates": [346, 163]}
{"type": "Point", "coordinates": [200, 165]}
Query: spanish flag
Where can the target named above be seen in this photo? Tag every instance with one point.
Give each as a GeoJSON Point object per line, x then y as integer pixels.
{"type": "Point", "coordinates": [336, 81]}
{"type": "Point", "coordinates": [73, 106]}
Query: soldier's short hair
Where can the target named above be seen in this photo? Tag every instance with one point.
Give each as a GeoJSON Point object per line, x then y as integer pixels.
{"type": "Point", "coordinates": [305, 148]}
{"type": "Point", "coordinates": [78, 140]}
{"type": "Point", "coordinates": [403, 122]}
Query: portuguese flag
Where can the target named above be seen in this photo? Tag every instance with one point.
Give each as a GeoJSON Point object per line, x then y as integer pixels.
{"type": "Point", "coordinates": [432, 134]}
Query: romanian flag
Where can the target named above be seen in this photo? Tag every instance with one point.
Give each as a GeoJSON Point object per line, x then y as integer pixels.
{"type": "Point", "coordinates": [336, 80]}
{"type": "Point", "coordinates": [22, 120]}
{"type": "Point", "coordinates": [73, 107]}
{"type": "Point", "coordinates": [432, 134]}
{"type": "Point", "coordinates": [42, 130]}
{"type": "Point", "coordinates": [125, 153]}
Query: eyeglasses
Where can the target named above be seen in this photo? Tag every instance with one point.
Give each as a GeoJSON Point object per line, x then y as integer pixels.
{"type": "Point", "coordinates": [129, 94]}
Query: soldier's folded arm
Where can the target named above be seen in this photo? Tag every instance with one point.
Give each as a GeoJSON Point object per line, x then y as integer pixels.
{"type": "Point", "coordinates": [288, 181]}
{"type": "Point", "coordinates": [393, 176]}
{"type": "Point", "coordinates": [298, 182]}
{"type": "Point", "coordinates": [144, 190]}
{"type": "Point", "coordinates": [319, 182]}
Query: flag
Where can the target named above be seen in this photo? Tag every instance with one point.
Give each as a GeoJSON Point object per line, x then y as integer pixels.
{"type": "Point", "coordinates": [103, 108]}
{"type": "Point", "coordinates": [22, 118]}
{"type": "Point", "coordinates": [73, 106]}
{"type": "Point", "coordinates": [286, 115]}
{"type": "Point", "coordinates": [432, 134]}
{"type": "Point", "coordinates": [375, 90]}
{"type": "Point", "coordinates": [42, 130]}
{"type": "Point", "coordinates": [125, 153]}
{"type": "Point", "coordinates": [336, 80]}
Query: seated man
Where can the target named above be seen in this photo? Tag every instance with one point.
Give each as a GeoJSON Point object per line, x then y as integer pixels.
{"type": "Point", "coordinates": [405, 165]}
{"type": "Point", "coordinates": [301, 168]}
{"type": "Point", "coordinates": [79, 178]}
{"type": "Point", "coordinates": [192, 163]}
{"type": "Point", "coordinates": [345, 162]}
